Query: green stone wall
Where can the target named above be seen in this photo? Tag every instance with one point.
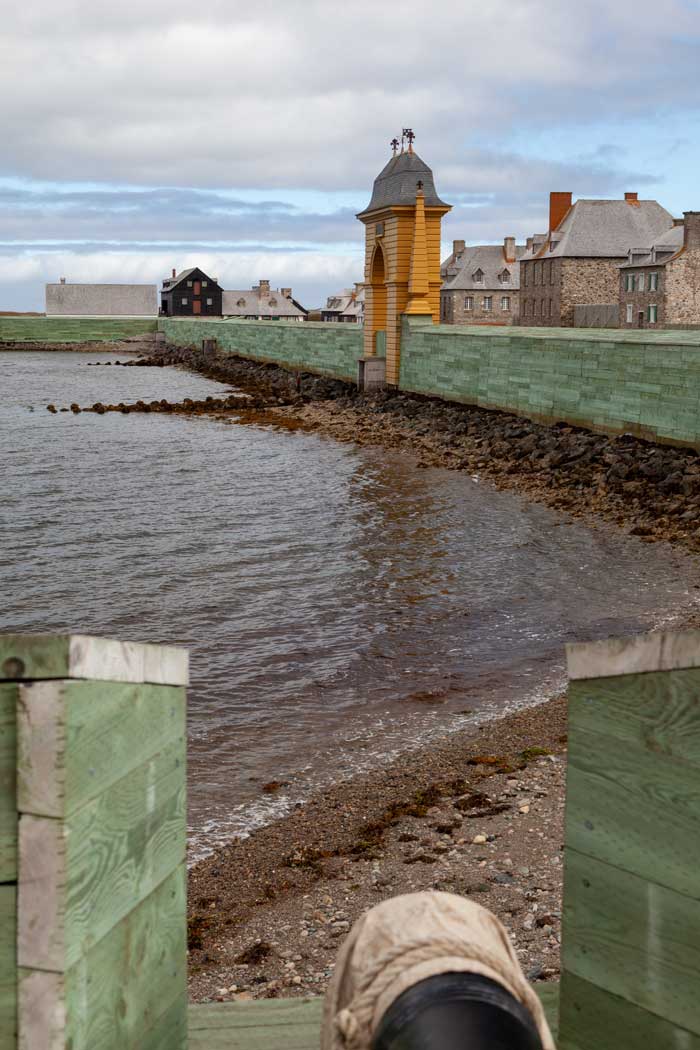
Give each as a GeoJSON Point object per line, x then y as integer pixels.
{"type": "Point", "coordinates": [71, 329]}
{"type": "Point", "coordinates": [647, 383]}
{"type": "Point", "coordinates": [327, 349]}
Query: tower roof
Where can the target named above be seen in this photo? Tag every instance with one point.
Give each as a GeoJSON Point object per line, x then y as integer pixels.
{"type": "Point", "coordinates": [396, 184]}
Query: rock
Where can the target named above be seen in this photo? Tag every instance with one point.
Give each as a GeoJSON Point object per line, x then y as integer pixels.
{"type": "Point", "coordinates": [479, 840]}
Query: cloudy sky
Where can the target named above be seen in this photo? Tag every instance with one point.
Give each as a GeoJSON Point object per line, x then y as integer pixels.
{"type": "Point", "coordinates": [147, 134]}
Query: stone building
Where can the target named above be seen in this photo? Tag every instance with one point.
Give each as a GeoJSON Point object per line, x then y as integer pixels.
{"type": "Point", "coordinates": [660, 284]}
{"type": "Point", "coordinates": [346, 307]}
{"type": "Point", "coordinates": [481, 284]}
{"type": "Point", "coordinates": [262, 303]}
{"type": "Point", "coordinates": [101, 300]}
{"type": "Point", "coordinates": [402, 253]}
{"type": "Point", "coordinates": [578, 260]}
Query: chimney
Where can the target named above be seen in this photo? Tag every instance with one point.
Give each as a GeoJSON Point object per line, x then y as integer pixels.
{"type": "Point", "coordinates": [528, 244]}
{"type": "Point", "coordinates": [631, 198]}
{"type": "Point", "coordinates": [691, 224]}
{"type": "Point", "coordinates": [174, 272]}
{"type": "Point", "coordinates": [264, 287]}
{"type": "Point", "coordinates": [63, 280]}
{"type": "Point", "coordinates": [286, 293]}
{"type": "Point", "coordinates": [679, 222]}
{"type": "Point", "coordinates": [509, 249]}
{"type": "Point", "coordinates": [559, 204]}
{"type": "Point", "coordinates": [458, 247]}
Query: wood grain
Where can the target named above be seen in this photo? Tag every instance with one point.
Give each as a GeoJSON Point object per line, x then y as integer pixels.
{"type": "Point", "coordinates": [633, 938]}
{"type": "Point", "coordinates": [593, 1019]}
{"type": "Point", "coordinates": [8, 966]}
{"type": "Point", "coordinates": [8, 778]}
{"type": "Point", "coordinates": [81, 876]}
{"type": "Point", "coordinates": [658, 712]}
{"type": "Point", "coordinates": [128, 993]}
{"type": "Point", "coordinates": [76, 739]}
{"type": "Point", "coordinates": [635, 809]}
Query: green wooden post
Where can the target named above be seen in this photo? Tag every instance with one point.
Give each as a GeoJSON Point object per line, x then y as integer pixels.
{"type": "Point", "coordinates": [99, 831]}
{"type": "Point", "coordinates": [631, 922]}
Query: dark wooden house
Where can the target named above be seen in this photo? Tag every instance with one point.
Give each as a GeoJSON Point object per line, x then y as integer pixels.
{"type": "Point", "coordinates": [191, 293]}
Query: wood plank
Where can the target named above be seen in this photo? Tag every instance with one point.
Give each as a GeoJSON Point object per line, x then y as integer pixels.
{"type": "Point", "coordinates": [637, 940]}
{"type": "Point", "coordinates": [81, 876]}
{"type": "Point", "coordinates": [127, 993]}
{"type": "Point", "coordinates": [8, 966]}
{"type": "Point", "coordinates": [76, 739]}
{"type": "Point", "coordinates": [8, 778]}
{"type": "Point", "coordinates": [658, 651]}
{"type": "Point", "coordinates": [658, 712]}
{"type": "Point", "coordinates": [292, 1023]}
{"type": "Point", "coordinates": [28, 657]}
{"type": "Point", "coordinates": [593, 1019]}
{"type": "Point", "coordinates": [635, 809]}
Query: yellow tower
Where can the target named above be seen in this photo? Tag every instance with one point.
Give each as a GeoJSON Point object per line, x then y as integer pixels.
{"type": "Point", "coordinates": [402, 252]}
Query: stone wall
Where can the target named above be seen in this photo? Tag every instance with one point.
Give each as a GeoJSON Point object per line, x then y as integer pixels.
{"type": "Point", "coordinates": [683, 288]}
{"type": "Point", "coordinates": [588, 281]}
{"type": "Point", "coordinates": [325, 348]}
{"type": "Point", "coordinates": [453, 310]}
{"type": "Point", "coordinates": [646, 383]}
{"type": "Point", "coordinates": [540, 292]}
{"type": "Point", "coordinates": [71, 330]}
{"type": "Point", "coordinates": [101, 300]}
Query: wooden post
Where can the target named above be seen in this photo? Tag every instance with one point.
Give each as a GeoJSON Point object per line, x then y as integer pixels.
{"type": "Point", "coordinates": [98, 827]}
{"type": "Point", "coordinates": [631, 922]}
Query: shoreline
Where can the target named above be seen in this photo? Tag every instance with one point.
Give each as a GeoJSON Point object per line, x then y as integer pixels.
{"type": "Point", "coordinates": [479, 811]}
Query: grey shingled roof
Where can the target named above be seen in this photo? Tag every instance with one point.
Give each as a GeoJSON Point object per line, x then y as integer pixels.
{"type": "Point", "coordinates": [606, 229]}
{"type": "Point", "coordinates": [397, 183]}
{"type": "Point", "coordinates": [666, 246]}
{"type": "Point", "coordinates": [258, 305]}
{"type": "Point", "coordinates": [489, 258]}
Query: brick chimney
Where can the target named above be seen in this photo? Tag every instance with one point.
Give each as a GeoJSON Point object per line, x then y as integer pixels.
{"type": "Point", "coordinates": [679, 222]}
{"type": "Point", "coordinates": [632, 198]}
{"type": "Point", "coordinates": [691, 227]}
{"type": "Point", "coordinates": [286, 293]}
{"type": "Point", "coordinates": [264, 287]}
{"type": "Point", "coordinates": [528, 244]}
{"type": "Point", "coordinates": [458, 247]}
{"type": "Point", "coordinates": [174, 272]}
{"type": "Point", "coordinates": [63, 280]}
{"type": "Point", "coordinates": [509, 249]}
{"type": "Point", "coordinates": [559, 204]}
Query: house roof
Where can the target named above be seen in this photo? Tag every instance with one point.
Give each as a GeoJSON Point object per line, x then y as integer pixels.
{"type": "Point", "coordinates": [172, 282]}
{"type": "Point", "coordinates": [459, 270]}
{"type": "Point", "coordinates": [604, 229]}
{"type": "Point", "coordinates": [396, 184]}
{"type": "Point", "coordinates": [663, 249]}
{"type": "Point", "coordinates": [251, 302]}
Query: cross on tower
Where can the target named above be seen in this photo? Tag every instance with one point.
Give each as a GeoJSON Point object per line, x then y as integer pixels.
{"type": "Point", "coordinates": [394, 145]}
{"type": "Point", "coordinates": [409, 137]}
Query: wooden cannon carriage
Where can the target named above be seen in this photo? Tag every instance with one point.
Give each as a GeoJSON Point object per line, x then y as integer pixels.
{"type": "Point", "coordinates": [92, 855]}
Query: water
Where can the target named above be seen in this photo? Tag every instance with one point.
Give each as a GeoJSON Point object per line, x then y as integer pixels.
{"type": "Point", "coordinates": [339, 603]}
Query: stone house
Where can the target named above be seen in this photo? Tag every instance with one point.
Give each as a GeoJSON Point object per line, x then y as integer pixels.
{"type": "Point", "coordinates": [346, 307]}
{"type": "Point", "coordinates": [481, 284]}
{"type": "Point", "coordinates": [578, 260]}
{"type": "Point", "coordinates": [660, 283]}
{"type": "Point", "coordinates": [261, 303]}
{"type": "Point", "coordinates": [191, 293]}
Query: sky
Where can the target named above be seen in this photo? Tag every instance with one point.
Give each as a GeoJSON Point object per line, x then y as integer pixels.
{"type": "Point", "coordinates": [244, 138]}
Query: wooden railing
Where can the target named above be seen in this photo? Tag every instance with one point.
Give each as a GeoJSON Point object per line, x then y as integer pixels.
{"type": "Point", "coordinates": [92, 850]}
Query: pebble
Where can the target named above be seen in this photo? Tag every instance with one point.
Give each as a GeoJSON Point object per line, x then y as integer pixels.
{"type": "Point", "coordinates": [479, 840]}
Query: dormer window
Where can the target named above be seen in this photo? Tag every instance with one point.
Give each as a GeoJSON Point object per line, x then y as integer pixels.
{"type": "Point", "coordinates": [240, 302]}
{"type": "Point", "coordinates": [478, 277]}
{"type": "Point", "coordinates": [273, 302]}
{"type": "Point", "coordinates": [504, 276]}
{"type": "Point", "coordinates": [552, 245]}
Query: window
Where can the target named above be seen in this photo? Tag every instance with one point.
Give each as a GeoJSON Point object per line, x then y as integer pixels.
{"type": "Point", "coordinates": [468, 302]}
{"type": "Point", "coordinates": [630, 313]}
{"type": "Point", "coordinates": [479, 277]}
{"type": "Point", "coordinates": [184, 300]}
{"type": "Point", "coordinates": [551, 272]}
{"type": "Point", "coordinates": [651, 313]}
{"type": "Point", "coordinates": [189, 284]}
{"type": "Point", "coordinates": [240, 302]}
{"type": "Point", "coordinates": [629, 282]}
{"type": "Point", "coordinates": [504, 276]}
{"type": "Point", "coordinates": [526, 274]}
{"type": "Point", "coordinates": [653, 282]}
{"type": "Point", "coordinates": [487, 303]}
{"type": "Point", "coordinates": [210, 302]}
{"type": "Point", "coordinates": [640, 282]}
{"type": "Point", "coordinates": [551, 307]}
{"type": "Point", "coordinates": [505, 302]}
{"type": "Point", "coordinates": [204, 284]}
